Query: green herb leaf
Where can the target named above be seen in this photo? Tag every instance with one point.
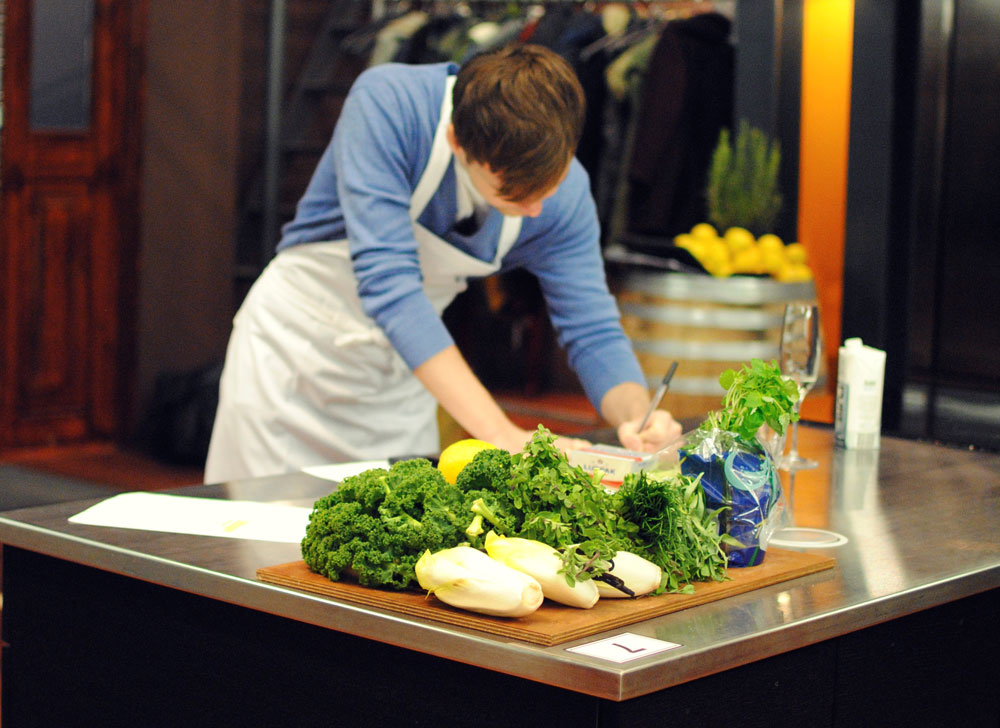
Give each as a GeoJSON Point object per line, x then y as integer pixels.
{"type": "Point", "coordinates": [758, 394]}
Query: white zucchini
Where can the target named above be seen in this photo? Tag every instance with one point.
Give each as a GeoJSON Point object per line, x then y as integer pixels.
{"type": "Point", "coordinates": [543, 563]}
{"type": "Point", "coordinates": [467, 578]}
{"type": "Point", "coordinates": [640, 575]}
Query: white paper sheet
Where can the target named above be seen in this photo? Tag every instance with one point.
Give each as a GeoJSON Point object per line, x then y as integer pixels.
{"type": "Point", "coordinates": [339, 471]}
{"type": "Point", "coordinates": [199, 516]}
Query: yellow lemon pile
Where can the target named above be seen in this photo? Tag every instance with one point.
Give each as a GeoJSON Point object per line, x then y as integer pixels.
{"type": "Point", "coordinates": [737, 251]}
{"type": "Point", "coordinates": [457, 455]}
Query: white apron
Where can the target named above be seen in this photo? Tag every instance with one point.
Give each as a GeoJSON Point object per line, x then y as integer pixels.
{"type": "Point", "coordinates": [310, 378]}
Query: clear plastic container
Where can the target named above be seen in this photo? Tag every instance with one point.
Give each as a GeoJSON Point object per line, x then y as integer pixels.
{"type": "Point", "coordinates": [738, 477]}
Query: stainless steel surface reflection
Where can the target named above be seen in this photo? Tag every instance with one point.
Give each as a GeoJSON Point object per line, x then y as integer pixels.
{"type": "Point", "coordinates": [921, 522]}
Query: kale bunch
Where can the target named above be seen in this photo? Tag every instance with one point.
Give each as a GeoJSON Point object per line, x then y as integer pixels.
{"type": "Point", "coordinates": [484, 482]}
{"type": "Point", "coordinates": [379, 522]}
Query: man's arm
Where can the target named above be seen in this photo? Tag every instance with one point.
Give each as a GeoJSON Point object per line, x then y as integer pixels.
{"type": "Point", "coordinates": [624, 406]}
{"type": "Point", "coordinates": [451, 381]}
{"type": "Point", "coordinates": [566, 258]}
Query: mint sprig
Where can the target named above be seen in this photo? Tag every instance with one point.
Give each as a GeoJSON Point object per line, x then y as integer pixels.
{"type": "Point", "coordinates": [757, 394]}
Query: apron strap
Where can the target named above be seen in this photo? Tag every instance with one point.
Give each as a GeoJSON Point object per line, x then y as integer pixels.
{"type": "Point", "coordinates": [440, 158]}
{"type": "Point", "coordinates": [435, 170]}
{"type": "Point", "coordinates": [509, 232]}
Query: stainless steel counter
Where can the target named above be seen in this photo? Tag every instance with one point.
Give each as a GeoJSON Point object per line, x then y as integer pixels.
{"type": "Point", "coordinates": [921, 522]}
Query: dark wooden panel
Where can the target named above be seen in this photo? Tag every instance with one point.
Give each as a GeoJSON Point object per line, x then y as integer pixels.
{"type": "Point", "coordinates": [934, 668]}
{"type": "Point", "coordinates": [793, 689]}
{"type": "Point", "coordinates": [51, 339]}
{"type": "Point", "coordinates": [68, 219]}
{"type": "Point", "coordinates": [161, 656]}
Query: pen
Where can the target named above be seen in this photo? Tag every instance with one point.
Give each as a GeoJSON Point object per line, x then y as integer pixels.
{"type": "Point", "coordinates": [658, 397]}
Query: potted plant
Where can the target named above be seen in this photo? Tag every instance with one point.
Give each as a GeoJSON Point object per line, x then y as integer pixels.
{"type": "Point", "coordinates": [743, 189]}
{"type": "Point", "coordinates": [744, 199]}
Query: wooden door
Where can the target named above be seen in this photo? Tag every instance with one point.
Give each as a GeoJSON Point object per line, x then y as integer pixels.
{"type": "Point", "coordinates": [69, 157]}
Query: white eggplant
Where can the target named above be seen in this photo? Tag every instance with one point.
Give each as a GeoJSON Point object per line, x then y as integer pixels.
{"type": "Point", "coordinates": [467, 578]}
{"type": "Point", "coordinates": [543, 563]}
{"type": "Point", "coordinates": [638, 574]}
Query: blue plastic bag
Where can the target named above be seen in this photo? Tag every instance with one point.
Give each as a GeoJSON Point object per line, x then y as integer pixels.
{"type": "Point", "coordinates": [740, 478]}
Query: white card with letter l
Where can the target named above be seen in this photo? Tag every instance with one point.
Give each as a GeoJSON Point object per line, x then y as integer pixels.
{"type": "Point", "coordinates": [624, 647]}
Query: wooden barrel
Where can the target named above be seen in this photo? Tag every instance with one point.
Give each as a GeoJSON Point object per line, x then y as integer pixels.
{"type": "Point", "coordinates": [706, 324]}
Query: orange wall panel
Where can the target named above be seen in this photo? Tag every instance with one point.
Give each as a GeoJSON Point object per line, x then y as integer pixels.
{"type": "Point", "coordinates": [827, 40]}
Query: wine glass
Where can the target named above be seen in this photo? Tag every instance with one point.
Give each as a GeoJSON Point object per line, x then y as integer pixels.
{"type": "Point", "coordinates": [801, 346]}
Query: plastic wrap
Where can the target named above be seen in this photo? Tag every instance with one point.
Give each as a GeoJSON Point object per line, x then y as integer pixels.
{"type": "Point", "coordinates": [739, 477]}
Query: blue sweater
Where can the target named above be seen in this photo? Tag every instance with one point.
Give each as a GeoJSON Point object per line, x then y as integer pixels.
{"type": "Point", "coordinates": [361, 191]}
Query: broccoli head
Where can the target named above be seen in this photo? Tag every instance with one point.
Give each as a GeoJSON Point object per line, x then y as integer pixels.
{"type": "Point", "coordinates": [410, 482]}
{"type": "Point", "coordinates": [368, 489]}
{"type": "Point", "coordinates": [484, 482]}
{"type": "Point", "coordinates": [485, 511]}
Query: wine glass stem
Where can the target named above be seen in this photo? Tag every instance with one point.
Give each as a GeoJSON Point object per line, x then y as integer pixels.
{"type": "Point", "coordinates": [791, 495]}
{"type": "Point", "coordinates": [793, 454]}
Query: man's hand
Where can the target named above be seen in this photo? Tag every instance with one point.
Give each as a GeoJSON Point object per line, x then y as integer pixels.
{"type": "Point", "coordinates": [516, 442]}
{"type": "Point", "coordinates": [448, 377]}
{"type": "Point", "coordinates": [625, 405]}
{"type": "Point", "coordinates": [660, 431]}
{"type": "Point", "coordinates": [565, 444]}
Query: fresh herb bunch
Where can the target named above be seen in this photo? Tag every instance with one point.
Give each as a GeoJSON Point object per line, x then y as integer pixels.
{"type": "Point", "coordinates": [566, 508]}
{"type": "Point", "coordinates": [676, 531]}
{"type": "Point", "coordinates": [757, 394]}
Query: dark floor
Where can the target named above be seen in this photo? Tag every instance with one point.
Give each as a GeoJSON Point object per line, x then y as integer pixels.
{"type": "Point", "coordinates": [54, 474]}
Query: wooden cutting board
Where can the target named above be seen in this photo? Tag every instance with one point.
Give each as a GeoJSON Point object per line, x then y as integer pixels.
{"type": "Point", "coordinates": [553, 623]}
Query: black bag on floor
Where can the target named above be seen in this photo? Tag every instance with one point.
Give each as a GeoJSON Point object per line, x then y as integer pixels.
{"type": "Point", "coordinates": [182, 412]}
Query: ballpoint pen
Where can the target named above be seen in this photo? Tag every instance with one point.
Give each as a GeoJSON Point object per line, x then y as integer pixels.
{"type": "Point", "coordinates": [658, 397]}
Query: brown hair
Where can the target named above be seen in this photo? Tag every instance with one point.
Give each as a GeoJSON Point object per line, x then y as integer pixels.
{"type": "Point", "coordinates": [519, 110]}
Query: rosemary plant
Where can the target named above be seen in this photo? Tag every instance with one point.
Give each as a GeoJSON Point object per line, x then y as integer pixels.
{"type": "Point", "coordinates": [743, 186]}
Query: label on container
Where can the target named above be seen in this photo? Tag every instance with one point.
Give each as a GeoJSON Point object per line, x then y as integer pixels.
{"type": "Point", "coordinates": [614, 462]}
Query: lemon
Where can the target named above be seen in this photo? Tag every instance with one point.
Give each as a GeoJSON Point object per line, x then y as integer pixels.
{"type": "Point", "coordinates": [796, 253]}
{"type": "Point", "coordinates": [748, 260]}
{"type": "Point", "coordinates": [769, 241]}
{"type": "Point", "coordinates": [794, 273]}
{"type": "Point", "coordinates": [457, 455]}
{"type": "Point", "coordinates": [715, 254]}
{"type": "Point", "coordinates": [738, 239]}
{"type": "Point", "coordinates": [723, 270]}
{"type": "Point", "coordinates": [803, 272]}
{"type": "Point", "coordinates": [704, 230]}
{"type": "Point", "coordinates": [771, 260]}
{"type": "Point", "coordinates": [696, 247]}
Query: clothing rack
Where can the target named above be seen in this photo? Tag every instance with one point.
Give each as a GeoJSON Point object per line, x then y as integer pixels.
{"type": "Point", "coordinates": [653, 13]}
{"type": "Point", "coordinates": [662, 8]}
{"type": "Point", "coordinates": [354, 28]}
{"type": "Point", "coordinates": [596, 37]}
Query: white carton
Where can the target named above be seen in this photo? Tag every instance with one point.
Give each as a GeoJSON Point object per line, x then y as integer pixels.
{"type": "Point", "coordinates": [614, 462]}
{"type": "Point", "coordinates": [858, 411]}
